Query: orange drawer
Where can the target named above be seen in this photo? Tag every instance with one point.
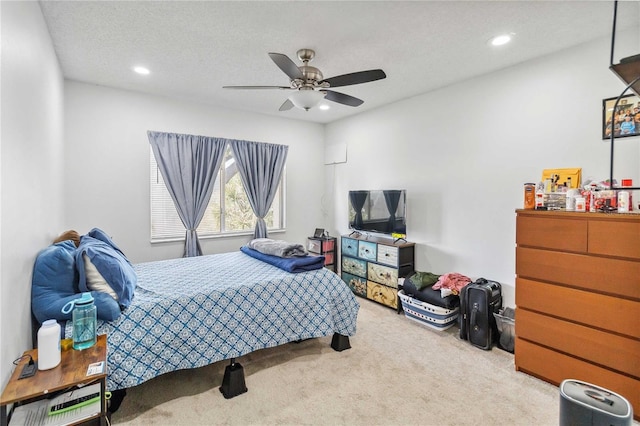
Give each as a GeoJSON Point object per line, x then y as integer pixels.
{"type": "Point", "coordinates": [612, 238]}
{"type": "Point", "coordinates": [603, 275]}
{"type": "Point", "coordinates": [604, 312]}
{"type": "Point", "coordinates": [607, 349]}
{"type": "Point", "coordinates": [563, 234]}
{"type": "Point", "coordinates": [555, 367]}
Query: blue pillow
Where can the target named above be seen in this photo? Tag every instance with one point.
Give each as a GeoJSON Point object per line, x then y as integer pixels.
{"type": "Point", "coordinates": [55, 269]}
{"type": "Point", "coordinates": [99, 234]}
{"type": "Point", "coordinates": [54, 283]}
{"type": "Point", "coordinates": [112, 265]}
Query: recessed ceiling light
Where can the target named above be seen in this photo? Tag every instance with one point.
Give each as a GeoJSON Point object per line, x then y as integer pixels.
{"type": "Point", "coordinates": [141, 70]}
{"type": "Point", "coordinates": [501, 39]}
{"type": "Point", "coordinates": [324, 107]}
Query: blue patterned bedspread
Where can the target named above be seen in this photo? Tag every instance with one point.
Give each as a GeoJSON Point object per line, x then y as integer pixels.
{"type": "Point", "coordinates": [190, 312]}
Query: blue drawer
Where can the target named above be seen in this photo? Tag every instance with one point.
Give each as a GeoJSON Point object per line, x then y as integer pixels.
{"type": "Point", "coordinates": [357, 284]}
{"type": "Point", "coordinates": [349, 247]}
{"type": "Point", "coordinates": [367, 250]}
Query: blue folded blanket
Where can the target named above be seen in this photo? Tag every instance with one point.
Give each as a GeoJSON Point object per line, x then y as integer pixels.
{"type": "Point", "coordinates": [289, 264]}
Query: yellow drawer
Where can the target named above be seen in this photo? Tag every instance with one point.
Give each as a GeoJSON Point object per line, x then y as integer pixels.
{"type": "Point", "coordinates": [382, 294]}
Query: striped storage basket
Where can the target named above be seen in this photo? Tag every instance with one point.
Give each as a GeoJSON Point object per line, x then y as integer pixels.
{"type": "Point", "coordinates": [424, 313]}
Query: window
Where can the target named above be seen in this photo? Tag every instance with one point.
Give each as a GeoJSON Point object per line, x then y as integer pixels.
{"type": "Point", "coordinates": [228, 212]}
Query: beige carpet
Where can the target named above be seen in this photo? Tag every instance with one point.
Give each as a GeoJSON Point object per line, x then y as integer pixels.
{"type": "Point", "coordinates": [396, 373]}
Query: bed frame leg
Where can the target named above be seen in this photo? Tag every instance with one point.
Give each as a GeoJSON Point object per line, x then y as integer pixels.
{"type": "Point", "coordinates": [117, 396]}
{"type": "Point", "coordinates": [339, 342]}
{"type": "Point", "coordinates": [233, 380]}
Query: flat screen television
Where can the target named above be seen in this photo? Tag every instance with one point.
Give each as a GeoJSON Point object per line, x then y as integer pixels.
{"type": "Point", "coordinates": [379, 211]}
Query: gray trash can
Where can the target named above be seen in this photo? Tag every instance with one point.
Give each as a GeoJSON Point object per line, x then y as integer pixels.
{"type": "Point", "coordinates": [506, 324]}
{"type": "Point", "coordinates": [584, 404]}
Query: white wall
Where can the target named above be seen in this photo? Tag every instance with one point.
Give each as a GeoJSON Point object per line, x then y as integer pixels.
{"type": "Point", "coordinates": [464, 152]}
{"type": "Point", "coordinates": [107, 164]}
{"type": "Point", "coordinates": [30, 168]}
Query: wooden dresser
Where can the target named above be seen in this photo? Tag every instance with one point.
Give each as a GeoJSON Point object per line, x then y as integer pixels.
{"type": "Point", "coordinates": [578, 299]}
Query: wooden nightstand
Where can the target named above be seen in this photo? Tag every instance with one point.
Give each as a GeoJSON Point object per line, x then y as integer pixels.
{"type": "Point", "coordinates": [71, 371]}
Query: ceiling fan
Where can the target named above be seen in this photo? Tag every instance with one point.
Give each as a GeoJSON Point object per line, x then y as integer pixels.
{"type": "Point", "coordinates": [309, 84]}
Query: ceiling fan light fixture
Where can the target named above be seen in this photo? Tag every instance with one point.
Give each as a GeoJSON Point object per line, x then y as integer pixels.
{"type": "Point", "coordinates": [306, 99]}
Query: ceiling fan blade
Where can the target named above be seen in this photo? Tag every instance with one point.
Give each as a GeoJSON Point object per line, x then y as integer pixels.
{"type": "Point", "coordinates": [286, 106]}
{"type": "Point", "coordinates": [256, 87]}
{"type": "Point", "coordinates": [342, 98]}
{"type": "Point", "coordinates": [355, 78]}
{"type": "Point", "coordinates": [287, 66]}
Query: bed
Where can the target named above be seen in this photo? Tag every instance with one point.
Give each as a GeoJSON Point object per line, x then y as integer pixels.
{"type": "Point", "coordinates": [190, 312]}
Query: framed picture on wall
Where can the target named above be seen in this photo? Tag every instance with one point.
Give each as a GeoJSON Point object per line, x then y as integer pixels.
{"type": "Point", "coordinates": [624, 121]}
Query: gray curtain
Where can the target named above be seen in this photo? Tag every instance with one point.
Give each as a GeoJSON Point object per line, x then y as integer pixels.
{"type": "Point", "coordinates": [260, 166]}
{"type": "Point", "coordinates": [392, 199]}
{"type": "Point", "coordinates": [189, 165]}
{"type": "Point", "coordinates": [357, 200]}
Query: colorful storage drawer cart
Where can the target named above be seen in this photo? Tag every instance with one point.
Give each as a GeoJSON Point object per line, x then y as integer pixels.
{"type": "Point", "coordinates": [325, 246]}
{"type": "Point", "coordinates": [371, 267]}
{"type": "Point", "coordinates": [432, 316]}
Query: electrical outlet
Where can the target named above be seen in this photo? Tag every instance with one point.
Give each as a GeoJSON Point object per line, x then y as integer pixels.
{"type": "Point", "coordinates": [28, 370]}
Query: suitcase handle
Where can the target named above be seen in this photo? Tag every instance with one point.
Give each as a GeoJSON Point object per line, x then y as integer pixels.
{"type": "Point", "coordinates": [474, 314]}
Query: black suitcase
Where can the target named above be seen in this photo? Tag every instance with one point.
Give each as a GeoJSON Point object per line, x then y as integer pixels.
{"type": "Point", "coordinates": [478, 301]}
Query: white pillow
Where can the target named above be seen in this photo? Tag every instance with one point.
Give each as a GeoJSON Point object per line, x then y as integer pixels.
{"type": "Point", "coordinates": [95, 281]}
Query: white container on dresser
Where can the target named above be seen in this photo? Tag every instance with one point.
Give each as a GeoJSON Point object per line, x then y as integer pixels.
{"type": "Point", "coordinates": [371, 267]}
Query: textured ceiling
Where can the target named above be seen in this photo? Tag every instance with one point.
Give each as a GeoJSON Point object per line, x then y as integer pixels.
{"type": "Point", "coordinates": [195, 48]}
